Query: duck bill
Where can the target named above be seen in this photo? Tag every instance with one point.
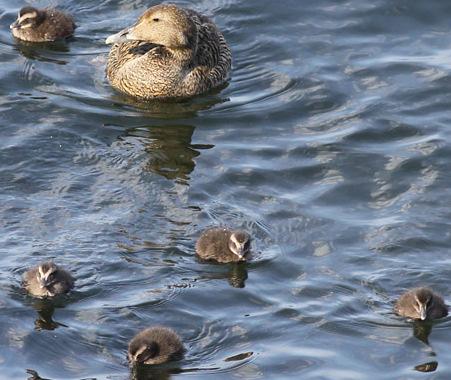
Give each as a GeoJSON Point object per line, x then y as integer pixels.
{"type": "Point", "coordinates": [423, 313]}
{"type": "Point", "coordinates": [119, 37]}
{"type": "Point", "coordinates": [14, 25]}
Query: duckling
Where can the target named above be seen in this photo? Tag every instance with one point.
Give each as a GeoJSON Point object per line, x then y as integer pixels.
{"type": "Point", "coordinates": [421, 303]}
{"type": "Point", "coordinates": [223, 245]}
{"type": "Point", "coordinates": [169, 52]}
{"type": "Point", "coordinates": [42, 25]}
{"type": "Point", "coordinates": [48, 280]}
{"type": "Point", "coordinates": [155, 345]}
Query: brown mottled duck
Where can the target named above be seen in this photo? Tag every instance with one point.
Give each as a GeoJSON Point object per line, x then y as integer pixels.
{"type": "Point", "coordinates": [169, 52]}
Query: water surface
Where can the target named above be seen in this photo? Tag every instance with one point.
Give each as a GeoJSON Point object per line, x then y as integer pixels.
{"type": "Point", "coordinates": [331, 145]}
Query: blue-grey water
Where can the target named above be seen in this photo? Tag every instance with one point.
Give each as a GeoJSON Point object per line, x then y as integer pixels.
{"type": "Point", "coordinates": [331, 145]}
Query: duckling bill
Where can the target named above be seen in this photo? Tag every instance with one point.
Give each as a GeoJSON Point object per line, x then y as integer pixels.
{"type": "Point", "coordinates": [42, 25]}
{"type": "Point", "coordinates": [422, 304]}
{"type": "Point", "coordinates": [223, 245]}
{"type": "Point", "coordinates": [169, 52]}
{"type": "Point", "coordinates": [48, 280]}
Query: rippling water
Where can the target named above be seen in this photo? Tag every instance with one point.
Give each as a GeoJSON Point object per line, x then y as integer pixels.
{"type": "Point", "coordinates": [331, 145]}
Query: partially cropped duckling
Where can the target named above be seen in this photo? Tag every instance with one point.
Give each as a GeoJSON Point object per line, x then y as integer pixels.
{"type": "Point", "coordinates": [155, 345]}
{"type": "Point", "coordinates": [421, 303]}
{"type": "Point", "coordinates": [42, 25]}
{"type": "Point", "coordinates": [223, 245]}
{"type": "Point", "coordinates": [169, 52]}
{"type": "Point", "coordinates": [48, 280]}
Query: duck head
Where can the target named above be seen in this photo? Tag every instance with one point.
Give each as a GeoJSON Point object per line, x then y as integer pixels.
{"type": "Point", "coordinates": [28, 17]}
{"type": "Point", "coordinates": [423, 302]}
{"type": "Point", "coordinates": [239, 243]}
{"type": "Point", "coordinates": [166, 25]}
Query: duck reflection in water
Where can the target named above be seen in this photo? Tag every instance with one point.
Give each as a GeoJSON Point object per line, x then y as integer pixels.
{"type": "Point", "coordinates": [171, 153]}
{"type": "Point", "coordinates": [45, 309]}
{"type": "Point", "coordinates": [150, 373]}
{"type": "Point", "coordinates": [427, 367]}
{"type": "Point", "coordinates": [237, 275]}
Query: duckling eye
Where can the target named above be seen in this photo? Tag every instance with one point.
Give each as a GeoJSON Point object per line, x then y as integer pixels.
{"type": "Point", "coordinates": [156, 19]}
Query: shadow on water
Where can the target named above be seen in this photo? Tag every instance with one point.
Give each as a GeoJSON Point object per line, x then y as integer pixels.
{"type": "Point", "coordinates": [44, 51]}
{"type": "Point", "coordinates": [170, 151]}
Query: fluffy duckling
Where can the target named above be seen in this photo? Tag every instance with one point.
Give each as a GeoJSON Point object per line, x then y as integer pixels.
{"type": "Point", "coordinates": [42, 25]}
{"type": "Point", "coordinates": [223, 245]}
{"type": "Point", "coordinates": [421, 303]}
{"type": "Point", "coordinates": [155, 345]}
{"type": "Point", "coordinates": [48, 280]}
{"type": "Point", "coordinates": [169, 52]}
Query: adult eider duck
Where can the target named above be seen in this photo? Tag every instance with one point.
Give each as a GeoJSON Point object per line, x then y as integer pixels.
{"type": "Point", "coordinates": [155, 345]}
{"type": "Point", "coordinates": [421, 303]}
{"type": "Point", "coordinates": [48, 280]}
{"type": "Point", "coordinates": [42, 25]}
{"type": "Point", "coordinates": [169, 52]}
{"type": "Point", "coordinates": [223, 245]}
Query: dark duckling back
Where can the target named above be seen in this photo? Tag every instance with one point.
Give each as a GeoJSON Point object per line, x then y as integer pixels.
{"type": "Point", "coordinates": [155, 345]}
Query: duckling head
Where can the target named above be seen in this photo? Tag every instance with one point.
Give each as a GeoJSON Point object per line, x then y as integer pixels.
{"type": "Point", "coordinates": [423, 302]}
{"type": "Point", "coordinates": [239, 243]}
{"type": "Point", "coordinates": [166, 25]}
{"type": "Point", "coordinates": [46, 275]}
{"type": "Point", "coordinates": [28, 17]}
{"type": "Point", "coordinates": [142, 352]}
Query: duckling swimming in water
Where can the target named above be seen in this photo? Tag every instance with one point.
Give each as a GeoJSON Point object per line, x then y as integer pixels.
{"type": "Point", "coordinates": [421, 303]}
{"type": "Point", "coordinates": [223, 245]}
{"type": "Point", "coordinates": [42, 25]}
{"type": "Point", "coordinates": [155, 345]}
{"type": "Point", "coordinates": [48, 280]}
{"type": "Point", "coordinates": [169, 52]}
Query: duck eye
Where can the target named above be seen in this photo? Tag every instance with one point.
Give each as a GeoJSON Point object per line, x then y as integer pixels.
{"type": "Point", "coordinates": [156, 19]}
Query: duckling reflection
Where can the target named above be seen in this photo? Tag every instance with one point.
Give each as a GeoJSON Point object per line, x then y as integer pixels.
{"type": "Point", "coordinates": [34, 375]}
{"type": "Point", "coordinates": [149, 373]}
{"type": "Point", "coordinates": [422, 304]}
{"type": "Point", "coordinates": [42, 25]}
{"type": "Point", "coordinates": [422, 330]}
{"type": "Point", "coordinates": [427, 367]}
{"type": "Point", "coordinates": [237, 275]}
{"type": "Point", "coordinates": [45, 310]}
{"type": "Point", "coordinates": [45, 51]}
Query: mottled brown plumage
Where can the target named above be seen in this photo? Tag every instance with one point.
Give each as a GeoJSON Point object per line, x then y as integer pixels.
{"type": "Point", "coordinates": [42, 25]}
{"type": "Point", "coordinates": [169, 52]}
{"type": "Point", "coordinates": [47, 280]}
{"type": "Point", "coordinates": [421, 303]}
{"type": "Point", "coordinates": [223, 245]}
{"type": "Point", "coordinates": [155, 345]}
